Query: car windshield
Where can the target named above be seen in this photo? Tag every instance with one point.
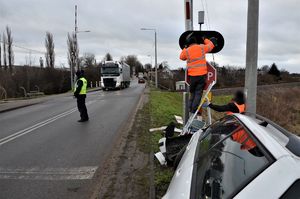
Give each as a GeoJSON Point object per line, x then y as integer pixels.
{"type": "Point", "coordinates": [226, 160]}
{"type": "Point", "coordinates": [110, 69]}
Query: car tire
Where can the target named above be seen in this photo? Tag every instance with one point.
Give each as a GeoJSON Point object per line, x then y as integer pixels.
{"type": "Point", "coordinates": [178, 157]}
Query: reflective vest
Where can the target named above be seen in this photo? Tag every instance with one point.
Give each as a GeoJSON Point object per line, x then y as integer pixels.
{"type": "Point", "coordinates": [242, 137]}
{"type": "Point", "coordinates": [84, 86]}
{"type": "Point", "coordinates": [195, 57]}
{"type": "Point", "coordinates": [241, 107]}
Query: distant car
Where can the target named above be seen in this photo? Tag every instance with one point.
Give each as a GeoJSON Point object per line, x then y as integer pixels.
{"type": "Point", "coordinates": [141, 80]}
{"type": "Point", "coordinates": [263, 164]}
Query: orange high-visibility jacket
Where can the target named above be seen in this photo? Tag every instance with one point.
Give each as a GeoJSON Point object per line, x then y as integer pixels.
{"type": "Point", "coordinates": [195, 57]}
{"type": "Point", "coordinates": [241, 107]}
{"type": "Point", "coordinates": [242, 137]}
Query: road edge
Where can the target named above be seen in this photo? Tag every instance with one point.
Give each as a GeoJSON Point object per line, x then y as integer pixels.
{"type": "Point", "coordinates": [123, 130]}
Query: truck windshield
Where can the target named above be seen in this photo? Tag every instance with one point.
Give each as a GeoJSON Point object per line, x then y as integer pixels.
{"type": "Point", "coordinates": [110, 69]}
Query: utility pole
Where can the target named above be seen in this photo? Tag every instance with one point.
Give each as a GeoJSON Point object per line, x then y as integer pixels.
{"type": "Point", "coordinates": [251, 55]}
{"type": "Point", "coordinates": [156, 80]}
{"type": "Point", "coordinates": [76, 30]}
{"type": "Point", "coordinates": [188, 4]}
{"type": "Point", "coordinates": [155, 40]}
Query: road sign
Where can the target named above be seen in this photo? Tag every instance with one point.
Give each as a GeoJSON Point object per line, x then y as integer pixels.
{"type": "Point", "coordinates": [199, 35]}
{"type": "Point", "coordinates": [211, 75]}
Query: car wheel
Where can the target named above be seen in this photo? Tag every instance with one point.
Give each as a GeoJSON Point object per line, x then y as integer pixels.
{"type": "Point", "coordinates": [178, 157]}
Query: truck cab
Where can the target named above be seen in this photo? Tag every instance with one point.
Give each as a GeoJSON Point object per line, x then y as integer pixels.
{"type": "Point", "coordinates": [114, 75]}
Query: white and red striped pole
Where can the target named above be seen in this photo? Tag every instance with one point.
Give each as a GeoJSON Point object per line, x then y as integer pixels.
{"type": "Point", "coordinates": [188, 5]}
{"type": "Point", "coordinates": [188, 16]}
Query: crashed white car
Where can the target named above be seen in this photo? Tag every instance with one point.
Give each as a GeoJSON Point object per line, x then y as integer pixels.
{"type": "Point", "coordinates": [215, 165]}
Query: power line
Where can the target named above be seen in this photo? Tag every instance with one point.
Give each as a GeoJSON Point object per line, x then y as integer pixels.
{"type": "Point", "coordinates": [207, 16]}
{"type": "Point", "coordinates": [25, 48]}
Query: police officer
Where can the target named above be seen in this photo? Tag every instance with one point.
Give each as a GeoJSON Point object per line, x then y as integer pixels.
{"type": "Point", "coordinates": [80, 94]}
{"type": "Point", "coordinates": [194, 55]}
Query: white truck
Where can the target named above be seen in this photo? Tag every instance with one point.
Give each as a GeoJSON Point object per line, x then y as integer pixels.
{"type": "Point", "coordinates": [115, 74]}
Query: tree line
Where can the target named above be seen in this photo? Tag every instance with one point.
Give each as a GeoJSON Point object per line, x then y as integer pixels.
{"type": "Point", "coordinates": [50, 79]}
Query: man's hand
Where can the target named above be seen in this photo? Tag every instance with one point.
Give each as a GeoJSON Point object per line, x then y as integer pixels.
{"type": "Point", "coordinates": [76, 95]}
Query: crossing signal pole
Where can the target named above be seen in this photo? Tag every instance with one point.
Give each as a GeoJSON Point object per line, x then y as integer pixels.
{"type": "Point", "coordinates": [251, 55]}
{"type": "Point", "coordinates": [188, 5]}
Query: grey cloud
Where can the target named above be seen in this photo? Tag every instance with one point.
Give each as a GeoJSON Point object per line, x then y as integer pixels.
{"type": "Point", "coordinates": [115, 26]}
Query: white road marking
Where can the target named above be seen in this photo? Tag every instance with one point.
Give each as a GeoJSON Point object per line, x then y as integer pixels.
{"type": "Point", "coordinates": [39, 125]}
{"type": "Point", "coordinates": [79, 173]}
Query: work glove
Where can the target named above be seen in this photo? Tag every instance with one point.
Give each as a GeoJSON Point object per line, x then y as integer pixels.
{"type": "Point", "coordinates": [214, 41]}
{"type": "Point", "coordinates": [205, 105]}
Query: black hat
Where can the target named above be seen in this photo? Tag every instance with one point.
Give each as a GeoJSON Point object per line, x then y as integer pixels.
{"type": "Point", "coordinates": [78, 73]}
{"type": "Point", "coordinates": [190, 39]}
{"type": "Point", "coordinates": [239, 97]}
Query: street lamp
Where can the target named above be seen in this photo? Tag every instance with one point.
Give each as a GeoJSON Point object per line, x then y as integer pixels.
{"type": "Point", "coordinates": [155, 38]}
{"type": "Point", "coordinates": [150, 56]}
{"type": "Point", "coordinates": [76, 31]}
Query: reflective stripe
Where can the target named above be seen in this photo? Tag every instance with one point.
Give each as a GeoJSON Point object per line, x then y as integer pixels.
{"type": "Point", "coordinates": [84, 86]}
{"type": "Point", "coordinates": [197, 66]}
{"type": "Point", "coordinates": [188, 56]}
{"type": "Point", "coordinates": [189, 60]}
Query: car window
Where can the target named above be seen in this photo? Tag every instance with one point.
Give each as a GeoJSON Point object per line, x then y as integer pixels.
{"type": "Point", "coordinates": [293, 191]}
{"type": "Point", "coordinates": [226, 160]}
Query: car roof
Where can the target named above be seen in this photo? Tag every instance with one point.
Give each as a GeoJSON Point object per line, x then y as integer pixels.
{"type": "Point", "coordinates": [278, 141]}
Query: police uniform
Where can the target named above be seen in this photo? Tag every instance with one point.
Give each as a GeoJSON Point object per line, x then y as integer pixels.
{"type": "Point", "coordinates": [80, 94]}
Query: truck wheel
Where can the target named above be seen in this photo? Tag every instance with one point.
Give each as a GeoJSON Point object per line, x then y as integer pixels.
{"type": "Point", "coordinates": [178, 157]}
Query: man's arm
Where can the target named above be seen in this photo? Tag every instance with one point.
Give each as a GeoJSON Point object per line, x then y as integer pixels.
{"type": "Point", "coordinates": [208, 45]}
{"type": "Point", "coordinates": [224, 108]}
{"type": "Point", "coordinates": [183, 55]}
{"type": "Point", "coordinates": [78, 89]}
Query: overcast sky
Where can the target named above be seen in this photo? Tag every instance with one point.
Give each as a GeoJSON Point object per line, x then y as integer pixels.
{"type": "Point", "coordinates": [115, 28]}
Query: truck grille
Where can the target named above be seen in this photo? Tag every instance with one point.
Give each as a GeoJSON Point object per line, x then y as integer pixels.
{"type": "Point", "coordinates": [109, 83]}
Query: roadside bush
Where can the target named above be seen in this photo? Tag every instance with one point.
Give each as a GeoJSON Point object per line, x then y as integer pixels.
{"type": "Point", "coordinates": [281, 105]}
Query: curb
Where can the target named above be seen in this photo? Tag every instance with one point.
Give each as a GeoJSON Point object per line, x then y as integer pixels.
{"type": "Point", "coordinates": [34, 103]}
{"type": "Point", "coordinates": [18, 107]}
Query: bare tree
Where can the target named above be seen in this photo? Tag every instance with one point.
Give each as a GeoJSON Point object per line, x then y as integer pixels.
{"type": "Point", "coordinates": [108, 57]}
{"type": "Point", "coordinates": [50, 54]}
{"type": "Point", "coordinates": [72, 51]}
{"type": "Point", "coordinates": [4, 40]}
{"type": "Point", "coordinates": [10, 48]}
{"type": "Point", "coordinates": [89, 60]}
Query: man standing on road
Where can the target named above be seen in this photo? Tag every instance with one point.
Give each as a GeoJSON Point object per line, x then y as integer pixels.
{"type": "Point", "coordinates": [80, 94]}
{"type": "Point", "coordinates": [194, 55]}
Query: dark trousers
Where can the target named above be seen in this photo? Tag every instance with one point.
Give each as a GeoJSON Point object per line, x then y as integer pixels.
{"type": "Point", "coordinates": [81, 107]}
{"type": "Point", "coordinates": [197, 84]}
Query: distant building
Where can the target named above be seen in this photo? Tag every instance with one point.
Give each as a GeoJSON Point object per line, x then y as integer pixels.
{"type": "Point", "coordinates": [180, 86]}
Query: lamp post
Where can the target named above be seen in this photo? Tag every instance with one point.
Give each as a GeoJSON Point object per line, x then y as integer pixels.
{"type": "Point", "coordinates": [155, 39]}
{"type": "Point", "coordinates": [150, 56]}
{"type": "Point", "coordinates": [76, 31]}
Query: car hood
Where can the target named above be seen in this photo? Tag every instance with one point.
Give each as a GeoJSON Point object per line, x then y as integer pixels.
{"type": "Point", "coordinates": [180, 185]}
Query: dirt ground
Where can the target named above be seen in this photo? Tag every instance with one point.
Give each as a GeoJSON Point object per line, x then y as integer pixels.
{"type": "Point", "coordinates": [129, 171]}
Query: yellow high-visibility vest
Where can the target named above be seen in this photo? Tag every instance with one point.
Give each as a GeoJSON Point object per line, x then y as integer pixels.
{"type": "Point", "coordinates": [84, 86]}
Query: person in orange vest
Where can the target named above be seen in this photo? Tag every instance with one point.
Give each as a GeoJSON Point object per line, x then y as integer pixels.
{"type": "Point", "coordinates": [237, 104]}
{"type": "Point", "coordinates": [194, 55]}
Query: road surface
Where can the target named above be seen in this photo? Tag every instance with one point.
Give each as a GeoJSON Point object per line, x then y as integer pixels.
{"type": "Point", "coordinates": [46, 153]}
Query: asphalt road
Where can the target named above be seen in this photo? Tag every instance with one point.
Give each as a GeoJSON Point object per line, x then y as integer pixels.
{"type": "Point", "coordinates": [46, 153]}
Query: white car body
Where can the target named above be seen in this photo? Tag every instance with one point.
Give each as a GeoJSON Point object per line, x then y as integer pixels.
{"type": "Point", "coordinates": [272, 182]}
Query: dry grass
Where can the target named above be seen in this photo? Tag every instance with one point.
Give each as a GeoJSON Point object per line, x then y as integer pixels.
{"type": "Point", "coordinates": [281, 105]}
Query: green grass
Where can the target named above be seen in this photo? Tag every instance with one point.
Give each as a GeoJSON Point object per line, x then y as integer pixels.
{"type": "Point", "coordinates": [163, 106]}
